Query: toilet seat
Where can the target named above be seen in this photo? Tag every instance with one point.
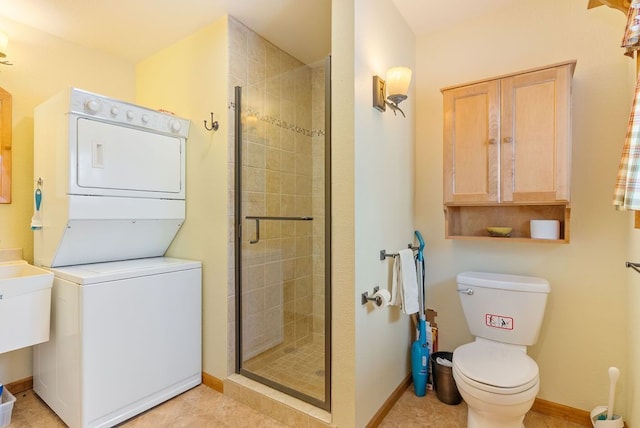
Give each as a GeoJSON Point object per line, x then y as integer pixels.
{"type": "Point", "coordinates": [495, 368]}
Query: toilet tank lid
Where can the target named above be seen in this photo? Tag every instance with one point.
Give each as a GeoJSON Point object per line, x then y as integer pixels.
{"type": "Point", "coordinates": [530, 284]}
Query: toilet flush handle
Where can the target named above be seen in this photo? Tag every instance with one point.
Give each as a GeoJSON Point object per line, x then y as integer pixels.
{"type": "Point", "coordinates": [468, 291]}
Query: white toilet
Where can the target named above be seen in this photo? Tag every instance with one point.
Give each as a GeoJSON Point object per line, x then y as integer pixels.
{"type": "Point", "coordinates": [494, 374]}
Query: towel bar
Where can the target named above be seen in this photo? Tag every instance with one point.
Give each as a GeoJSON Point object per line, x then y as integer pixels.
{"type": "Point", "coordinates": [384, 254]}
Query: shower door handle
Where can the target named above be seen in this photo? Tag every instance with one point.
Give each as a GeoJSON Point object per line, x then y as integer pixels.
{"type": "Point", "coordinates": [258, 218]}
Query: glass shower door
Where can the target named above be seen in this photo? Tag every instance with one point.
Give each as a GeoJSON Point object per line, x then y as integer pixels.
{"type": "Point", "coordinates": [282, 220]}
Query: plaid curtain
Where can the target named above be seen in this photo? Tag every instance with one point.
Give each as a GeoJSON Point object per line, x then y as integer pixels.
{"type": "Point", "coordinates": [632, 30]}
{"type": "Point", "coordinates": [626, 195]}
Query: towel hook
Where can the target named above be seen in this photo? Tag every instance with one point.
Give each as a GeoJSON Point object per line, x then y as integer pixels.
{"type": "Point", "coordinates": [634, 266]}
{"type": "Point", "coordinates": [214, 124]}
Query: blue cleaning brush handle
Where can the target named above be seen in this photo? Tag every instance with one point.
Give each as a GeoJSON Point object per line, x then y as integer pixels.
{"type": "Point", "coordinates": [38, 197]}
{"type": "Point", "coordinates": [421, 248]}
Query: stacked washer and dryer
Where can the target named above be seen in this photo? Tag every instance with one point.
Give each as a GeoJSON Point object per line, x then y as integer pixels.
{"type": "Point", "coordinates": [125, 321]}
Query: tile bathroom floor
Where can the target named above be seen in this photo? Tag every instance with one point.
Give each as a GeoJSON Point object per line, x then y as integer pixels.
{"type": "Point", "coordinates": [205, 407]}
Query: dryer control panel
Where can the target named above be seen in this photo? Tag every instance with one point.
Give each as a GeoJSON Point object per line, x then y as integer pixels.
{"type": "Point", "coordinates": [120, 112]}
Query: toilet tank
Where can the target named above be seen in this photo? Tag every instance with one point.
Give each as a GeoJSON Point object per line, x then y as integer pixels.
{"type": "Point", "coordinates": [504, 308]}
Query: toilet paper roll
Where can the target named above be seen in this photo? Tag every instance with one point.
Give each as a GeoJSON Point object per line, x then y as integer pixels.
{"type": "Point", "coordinates": [384, 296]}
{"type": "Point", "coordinates": [545, 229]}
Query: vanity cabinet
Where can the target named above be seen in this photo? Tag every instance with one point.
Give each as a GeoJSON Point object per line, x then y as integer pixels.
{"type": "Point", "coordinates": [507, 152]}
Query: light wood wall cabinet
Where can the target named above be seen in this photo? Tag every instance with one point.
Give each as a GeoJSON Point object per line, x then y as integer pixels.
{"type": "Point", "coordinates": [507, 153]}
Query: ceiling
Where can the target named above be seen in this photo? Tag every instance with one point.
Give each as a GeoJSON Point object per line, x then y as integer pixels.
{"type": "Point", "coordinates": [136, 29]}
{"type": "Point", "coordinates": [424, 16]}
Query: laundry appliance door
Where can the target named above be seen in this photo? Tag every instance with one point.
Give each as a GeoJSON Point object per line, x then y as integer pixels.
{"type": "Point", "coordinates": [116, 160]}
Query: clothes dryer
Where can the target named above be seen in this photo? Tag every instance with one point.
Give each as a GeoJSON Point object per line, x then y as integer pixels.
{"type": "Point", "coordinates": [112, 176]}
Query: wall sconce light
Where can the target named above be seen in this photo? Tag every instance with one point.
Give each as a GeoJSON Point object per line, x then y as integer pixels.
{"type": "Point", "coordinates": [397, 86]}
{"type": "Point", "coordinates": [4, 41]}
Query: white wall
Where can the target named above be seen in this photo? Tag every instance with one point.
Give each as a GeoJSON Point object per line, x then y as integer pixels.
{"type": "Point", "coordinates": [584, 330]}
{"type": "Point", "coordinates": [43, 65]}
{"type": "Point", "coordinates": [372, 200]}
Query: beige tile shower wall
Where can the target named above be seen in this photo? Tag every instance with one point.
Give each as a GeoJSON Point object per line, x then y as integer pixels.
{"type": "Point", "coordinates": [278, 180]}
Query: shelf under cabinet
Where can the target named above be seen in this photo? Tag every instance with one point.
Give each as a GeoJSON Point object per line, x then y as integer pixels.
{"type": "Point", "coordinates": [471, 222]}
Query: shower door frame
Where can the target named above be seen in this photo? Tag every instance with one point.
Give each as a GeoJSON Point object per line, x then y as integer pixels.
{"type": "Point", "coordinates": [326, 403]}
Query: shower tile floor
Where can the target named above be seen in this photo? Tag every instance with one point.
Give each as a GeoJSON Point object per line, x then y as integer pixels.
{"type": "Point", "coordinates": [297, 367]}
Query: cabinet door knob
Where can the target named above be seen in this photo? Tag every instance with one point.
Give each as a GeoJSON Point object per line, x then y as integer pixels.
{"type": "Point", "coordinates": [492, 140]}
{"type": "Point", "coordinates": [508, 140]}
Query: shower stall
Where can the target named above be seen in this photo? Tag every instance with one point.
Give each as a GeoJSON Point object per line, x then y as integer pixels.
{"type": "Point", "coordinates": [282, 227]}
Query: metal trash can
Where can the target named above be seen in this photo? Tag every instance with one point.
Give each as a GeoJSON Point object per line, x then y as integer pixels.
{"type": "Point", "coordinates": [443, 382]}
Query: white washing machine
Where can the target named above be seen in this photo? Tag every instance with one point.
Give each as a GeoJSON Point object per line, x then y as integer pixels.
{"type": "Point", "coordinates": [126, 321]}
{"type": "Point", "coordinates": [125, 336]}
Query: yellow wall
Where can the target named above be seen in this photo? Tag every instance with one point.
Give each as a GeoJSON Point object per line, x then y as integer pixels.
{"type": "Point", "coordinates": [584, 329]}
{"type": "Point", "coordinates": [190, 78]}
{"type": "Point", "coordinates": [43, 66]}
{"type": "Point", "coordinates": [342, 221]}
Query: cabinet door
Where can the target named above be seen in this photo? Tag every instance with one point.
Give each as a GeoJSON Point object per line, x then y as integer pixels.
{"type": "Point", "coordinates": [535, 130]}
{"type": "Point", "coordinates": [471, 148]}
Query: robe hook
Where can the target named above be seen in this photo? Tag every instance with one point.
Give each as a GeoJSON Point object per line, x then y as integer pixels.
{"type": "Point", "coordinates": [214, 124]}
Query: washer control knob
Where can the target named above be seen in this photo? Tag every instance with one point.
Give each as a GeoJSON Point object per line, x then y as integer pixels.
{"type": "Point", "coordinates": [115, 111]}
{"type": "Point", "coordinates": [145, 118]}
{"type": "Point", "coordinates": [130, 114]}
{"type": "Point", "coordinates": [92, 106]}
{"type": "Point", "coordinates": [175, 125]}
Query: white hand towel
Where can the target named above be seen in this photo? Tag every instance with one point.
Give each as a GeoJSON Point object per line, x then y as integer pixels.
{"type": "Point", "coordinates": [396, 284]}
{"type": "Point", "coordinates": [405, 282]}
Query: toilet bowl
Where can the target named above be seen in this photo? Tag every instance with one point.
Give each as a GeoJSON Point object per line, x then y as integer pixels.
{"type": "Point", "coordinates": [494, 374]}
{"type": "Point", "coordinates": [498, 382]}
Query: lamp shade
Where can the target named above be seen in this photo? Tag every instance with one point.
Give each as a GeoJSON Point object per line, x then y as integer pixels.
{"type": "Point", "coordinates": [4, 40]}
{"type": "Point", "coordinates": [398, 79]}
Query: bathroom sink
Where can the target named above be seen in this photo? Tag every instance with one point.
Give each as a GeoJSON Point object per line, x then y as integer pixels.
{"type": "Point", "coordinates": [19, 277]}
{"type": "Point", "coordinates": [25, 305]}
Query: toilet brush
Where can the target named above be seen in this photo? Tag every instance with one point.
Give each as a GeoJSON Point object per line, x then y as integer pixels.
{"type": "Point", "coordinates": [614, 375]}
{"type": "Point", "coordinates": [603, 416]}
